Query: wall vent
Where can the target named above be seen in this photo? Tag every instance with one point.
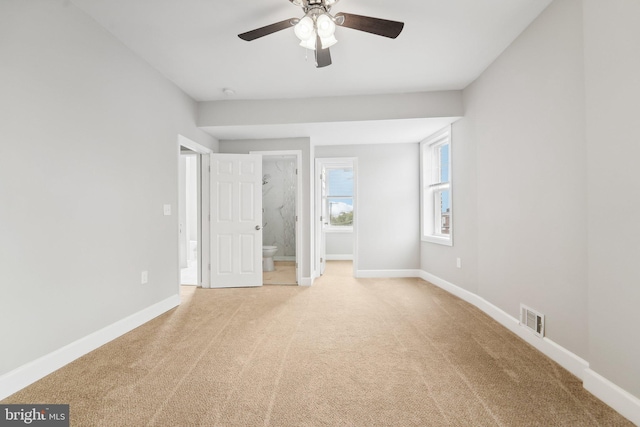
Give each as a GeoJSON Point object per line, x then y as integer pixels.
{"type": "Point", "coordinates": [532, 320]}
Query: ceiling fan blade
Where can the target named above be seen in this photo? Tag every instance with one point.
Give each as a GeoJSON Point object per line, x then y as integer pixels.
{"type": "Point", "coordinates": [269, 29]}
{"type": "Point", "coordinates": [323, 56]}
{"type": "Point", "coordinates": [380, 27]}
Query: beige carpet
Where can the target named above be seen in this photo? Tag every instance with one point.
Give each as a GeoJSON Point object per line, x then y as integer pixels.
{"type": "Point", "coordinates": [345, 352]}
{"type": "Point", "coordinates": [284, 274]}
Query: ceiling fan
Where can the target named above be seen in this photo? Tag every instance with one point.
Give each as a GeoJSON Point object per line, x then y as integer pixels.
{"type": "Point", "coordinates": [317, 27]}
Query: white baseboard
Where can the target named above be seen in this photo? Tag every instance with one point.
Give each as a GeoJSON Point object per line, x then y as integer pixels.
{"type": "Point", "coordinates": [340, 257]}
{"type": "Point", "coordinates": [619, 399]}
{"type": "Point", "coordinates": [568, 360]}
{"type": "Point", "coordinates": [305, 281]}
{"type": "Point", "coordinates": [381, 274]}
{"type": "Point", "coordinates": [31, 372]}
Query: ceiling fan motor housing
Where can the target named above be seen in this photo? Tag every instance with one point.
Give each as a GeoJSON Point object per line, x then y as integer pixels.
{"type": "Point", "coordinates": [310, 4]}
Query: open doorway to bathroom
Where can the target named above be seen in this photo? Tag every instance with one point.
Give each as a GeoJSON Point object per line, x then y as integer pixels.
{"type": "Point", "coordinates": [280, 214]}
{"type": "Point", "coordinates": [193, 213]}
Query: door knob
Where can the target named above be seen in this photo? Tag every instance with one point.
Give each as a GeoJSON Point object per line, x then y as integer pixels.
{"type": "Point", "coordinates": [258, 227]}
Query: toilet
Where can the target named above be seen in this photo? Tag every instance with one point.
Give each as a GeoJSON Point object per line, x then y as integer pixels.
{"type": "Point", "coordinates": [267, 257]}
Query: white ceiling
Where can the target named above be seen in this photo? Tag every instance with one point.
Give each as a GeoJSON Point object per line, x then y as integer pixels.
{"type": "Point", "coordinates": [445, 45]}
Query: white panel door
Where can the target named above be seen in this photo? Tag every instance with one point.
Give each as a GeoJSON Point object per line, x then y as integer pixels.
{"type": "Point", "coordinates": [236, 220]}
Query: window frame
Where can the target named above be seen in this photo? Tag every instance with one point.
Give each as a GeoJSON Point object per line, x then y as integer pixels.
{"type": "Point", "coordinates": [430, 186]}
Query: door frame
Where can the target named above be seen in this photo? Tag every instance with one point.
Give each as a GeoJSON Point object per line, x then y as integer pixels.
{"type": "Point", "coordinates": [319, 241]}
{"type": "Point", "coordinates": [202, 209]}
{"type": "Point", "coordinates": [298, 155]}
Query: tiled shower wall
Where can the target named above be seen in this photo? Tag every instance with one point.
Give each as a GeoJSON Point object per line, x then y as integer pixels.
{"type": "Point", "coordinates": [279, 205]}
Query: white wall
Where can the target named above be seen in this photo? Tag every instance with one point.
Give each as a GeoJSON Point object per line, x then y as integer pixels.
{"type": "Point", "coordinates": [388, 208]}
{"type": "Point", "coordinates": [519, 155]}
{"type": "Point", "coordinates": [323, 110]}
{"type": "Point", "coordinates": [547, 152]}
{"type": "Point", "coordinates": [612, 43]}
{"type": "Point", "coordinates": [339, 245]}
{"type": "Point", "coordinates": [528, 115]}
{"type": "Point", "coordinates": [88, 157]}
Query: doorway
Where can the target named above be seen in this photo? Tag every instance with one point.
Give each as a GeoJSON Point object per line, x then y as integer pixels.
{"type": "Point", "coordinates": [336, 211]}
{"type": "Point", "coordinates": [281, 210]}
{"type": "Point", "coordinates": [193, 206]}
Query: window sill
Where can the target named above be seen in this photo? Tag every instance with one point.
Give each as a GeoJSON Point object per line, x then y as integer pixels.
{"type": "Point", "coordinates": [445, 241]}
{"type": "Point", "coordinates": [338, 229]}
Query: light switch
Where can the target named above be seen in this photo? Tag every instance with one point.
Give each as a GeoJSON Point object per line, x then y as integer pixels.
{"type": "Point", "coordinates": [167, 210]}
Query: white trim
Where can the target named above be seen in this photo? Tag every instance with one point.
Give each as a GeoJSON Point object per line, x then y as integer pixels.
{"type": "Point", "coordinates": [31, 372]}
{"type": "Point", "coordinates": [387, 273]}
{"type": "Point", "coordinates": [619, 399]}
{"type": "Point", "coordinates": [339, 257]}
{"type": "Point", "coordinates": [446, 241]}
{"type": "Point", "coordinates": [427, 213]}
{"type": "Point", "coordinates": [306, 281]}
{"type": "Point", "coordinates": [192, 145]}
{"type": "Point", "coordinates": [611, 394]}
{"type": "Point", "coordinates": [339, 229]}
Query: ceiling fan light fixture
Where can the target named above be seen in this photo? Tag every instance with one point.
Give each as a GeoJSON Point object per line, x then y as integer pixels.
{"type": "Point", "coordinates": [309, 43]}
{"type": "Point", "coordinates": [327, 42]}
{"type": "Point", "coordinates": [325, 25]}
{"type": "Point", "coordinates": [305, 29]}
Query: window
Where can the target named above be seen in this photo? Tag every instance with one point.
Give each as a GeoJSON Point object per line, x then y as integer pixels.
{"type": "Point", "coordinates": [437, 210]}
{"type": "Point", "coordinates": [339, 197]}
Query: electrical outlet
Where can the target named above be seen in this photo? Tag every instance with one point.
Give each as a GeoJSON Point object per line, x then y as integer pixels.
{"type": "Point", "coordinates": [144, 277]}
{"type": "Point", "coordinates": [166, 209]}
{"type": "Point", "coordinates": [458, 263]}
